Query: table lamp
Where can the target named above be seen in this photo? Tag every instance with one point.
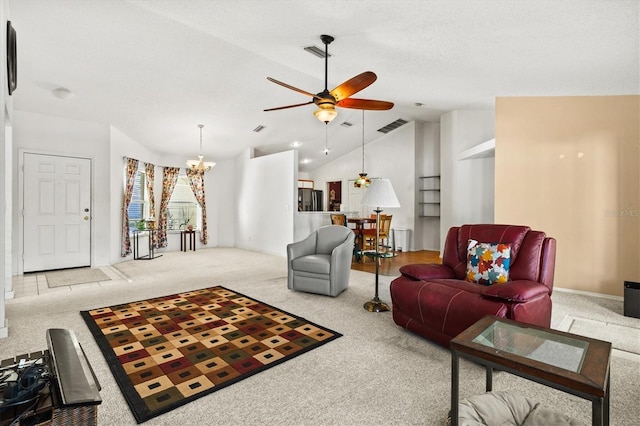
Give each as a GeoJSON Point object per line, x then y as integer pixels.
{"type": "Point", "coordinates": [379, 194]}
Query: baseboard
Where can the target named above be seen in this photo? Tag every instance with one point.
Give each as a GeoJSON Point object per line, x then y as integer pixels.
{"type": "Point", "coordinates": [4, 331]}
{"type": "Point", "coordinates": [8, 295]}
{"type": "Point", "coordinates": [588, 293]}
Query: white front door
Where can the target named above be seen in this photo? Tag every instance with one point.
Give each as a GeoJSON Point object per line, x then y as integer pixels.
{"type": "Point", "coordinates": [57, 216]}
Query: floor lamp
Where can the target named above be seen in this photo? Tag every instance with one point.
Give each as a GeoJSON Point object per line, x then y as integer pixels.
{"type": "Point", "coordinates": [380, 194]}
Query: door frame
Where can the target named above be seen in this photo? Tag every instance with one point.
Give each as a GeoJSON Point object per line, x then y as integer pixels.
{"type": "Point", "coordinates": [19, 257]}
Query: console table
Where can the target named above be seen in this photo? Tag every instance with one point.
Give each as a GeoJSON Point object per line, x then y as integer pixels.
{"type": "Point", "coordinates": [574, 364]}
{"type": "Point", "coordinates": [136, 252]}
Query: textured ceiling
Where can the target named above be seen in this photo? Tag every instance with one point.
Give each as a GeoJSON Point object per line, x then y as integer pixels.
{"type": "Point", "coordinates": [157, 69]}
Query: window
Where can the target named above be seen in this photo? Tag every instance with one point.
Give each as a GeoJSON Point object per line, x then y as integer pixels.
{"type": "Point", "coordinates": [183, 209]}
{"type": "Point", "coordinates": [139, 206]}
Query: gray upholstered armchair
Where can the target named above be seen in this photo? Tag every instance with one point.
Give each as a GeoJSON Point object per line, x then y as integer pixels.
{"type": "Point", "coordinates": [321, 263]}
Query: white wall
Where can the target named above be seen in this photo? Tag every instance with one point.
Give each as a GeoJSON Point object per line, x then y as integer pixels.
{"type": "Point", "coordinates": [59, 136]}
{"type": "Point", "coordinates": [221, 202]}
{"type": "Point", "coordinates": [266, 189]}
{"type": "Point", "coordinates": [399, 156]}
{"type": "Point", "coordinates": [6, 112]}
{"type": "Point", "coordinates": [467, 186]}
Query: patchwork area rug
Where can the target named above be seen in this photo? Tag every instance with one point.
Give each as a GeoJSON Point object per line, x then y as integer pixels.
{"type": "Point", "coordinates": [168, 351]}
{"type": "Point", "coordinates": [73, 276]}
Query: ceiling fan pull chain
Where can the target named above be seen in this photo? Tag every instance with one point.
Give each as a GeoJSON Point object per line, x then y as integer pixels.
{"type": "Point", "coordinates": [326, 138]}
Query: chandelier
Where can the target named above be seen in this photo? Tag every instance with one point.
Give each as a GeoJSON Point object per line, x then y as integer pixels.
{"type": "Point", "coordinates": [200, 165]}
{"type": "Point", "coordinates": [363, 181]}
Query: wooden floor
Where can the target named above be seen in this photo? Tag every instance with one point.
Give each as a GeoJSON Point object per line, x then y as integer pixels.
{"type": "Point", "coordinates": [391, 266]}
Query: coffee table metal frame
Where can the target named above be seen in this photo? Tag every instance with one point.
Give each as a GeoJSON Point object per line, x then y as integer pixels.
{"type": "Point", "coordinates": [590, 381]}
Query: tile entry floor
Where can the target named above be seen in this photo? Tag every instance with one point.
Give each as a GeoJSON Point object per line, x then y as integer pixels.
{"type": "Point", "coordinates": [35, 284]}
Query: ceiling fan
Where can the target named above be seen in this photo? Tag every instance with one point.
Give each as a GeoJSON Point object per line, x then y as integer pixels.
{"type": "Point", "coordinates": [328, 100]}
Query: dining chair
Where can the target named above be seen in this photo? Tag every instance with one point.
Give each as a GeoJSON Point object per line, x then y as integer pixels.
{"type": "Point", "coordinates": [385, 230]}
{"type": "Point", "coordinates": [383, 241]}
{"type": "Point", "coordinates": [339, 219]}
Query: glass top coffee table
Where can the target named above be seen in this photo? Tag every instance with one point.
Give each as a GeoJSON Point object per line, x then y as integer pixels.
{"type": "Point", "coordinates": [574, 364]}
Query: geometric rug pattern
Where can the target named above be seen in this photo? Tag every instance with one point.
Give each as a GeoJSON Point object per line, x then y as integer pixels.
{"type": "Point", "coordinates": [168, 351]}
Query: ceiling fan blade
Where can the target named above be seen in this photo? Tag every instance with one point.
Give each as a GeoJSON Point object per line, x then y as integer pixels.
{"type": "Point", "coordinates": [290, 87]}
{"type": "Point", "coordinates": [368, 104]}
{"type": "Point", "coordinates": [289, 106]}
{"type": "Point", "coordinates": [353, 85]}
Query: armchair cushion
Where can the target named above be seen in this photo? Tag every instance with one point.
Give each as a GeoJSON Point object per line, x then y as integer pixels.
{"type": "Point", "coordinates": [314, 263]}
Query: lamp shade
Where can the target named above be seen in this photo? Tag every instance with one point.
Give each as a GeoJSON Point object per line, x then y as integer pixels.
{"type": "Point", "coordinates": [380, 194]}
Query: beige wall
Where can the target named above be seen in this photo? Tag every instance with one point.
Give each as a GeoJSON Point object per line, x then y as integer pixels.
{"type": "Point", "coordinates": [569, 166]}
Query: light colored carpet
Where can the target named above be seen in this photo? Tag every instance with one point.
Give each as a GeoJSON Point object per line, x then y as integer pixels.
{"type": "Point", "coordinates": [74, 276]}
{"type": "Point", "coordinates": [622, 337]}
{"type": "Point", "coordinates": [376, 374]}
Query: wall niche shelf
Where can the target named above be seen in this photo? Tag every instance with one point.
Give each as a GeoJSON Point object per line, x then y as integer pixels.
{"type": "Point", "coordinates": [430, 190]}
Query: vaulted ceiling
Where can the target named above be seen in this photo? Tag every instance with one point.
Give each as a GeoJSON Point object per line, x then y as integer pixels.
{"type": "Point", "coordinates": [156, 69]}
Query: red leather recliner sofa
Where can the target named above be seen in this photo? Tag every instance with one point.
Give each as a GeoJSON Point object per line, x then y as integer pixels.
{"type": "Point", "coordinates": [436, 302]}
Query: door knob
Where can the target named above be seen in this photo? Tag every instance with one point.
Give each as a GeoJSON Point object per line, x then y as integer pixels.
{"type": "Point", "coordinates": [86, 218]}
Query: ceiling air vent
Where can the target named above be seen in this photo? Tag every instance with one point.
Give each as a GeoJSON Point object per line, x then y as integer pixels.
{"type": "Point", "coordinates": [346, 124]}
{"type": "Point", "coordinates": [315, 50]}
{"type": "Point", "coordinates": [259, 128]}
{"type": "Point", "coordinates": [393, 125]}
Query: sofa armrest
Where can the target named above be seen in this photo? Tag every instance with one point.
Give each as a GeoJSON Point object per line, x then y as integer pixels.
{"type": "Point", "coordinates": [427, 271]}
{"type": "Point", "coordinates": [516, 291]}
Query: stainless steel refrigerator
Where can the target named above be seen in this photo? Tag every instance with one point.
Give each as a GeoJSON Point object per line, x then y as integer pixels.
{"type": "Point", "coordinates": [309, 200]}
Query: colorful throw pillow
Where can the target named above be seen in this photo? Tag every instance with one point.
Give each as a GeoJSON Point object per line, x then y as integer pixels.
{"type": "Point", "coordinates": [488, 263]}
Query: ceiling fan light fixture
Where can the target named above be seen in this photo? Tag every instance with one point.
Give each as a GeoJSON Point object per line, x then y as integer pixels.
{"type": "Point", "coordinates": [326, 113]}
{"type": "Point", "coordinates": [199, 164]}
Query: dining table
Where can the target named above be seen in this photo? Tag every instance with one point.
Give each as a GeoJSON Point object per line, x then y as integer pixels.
{"type": "Point", "coordinates": [359, 228]}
